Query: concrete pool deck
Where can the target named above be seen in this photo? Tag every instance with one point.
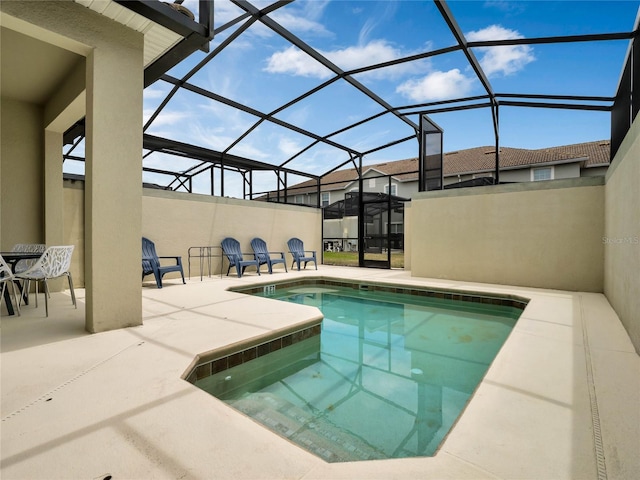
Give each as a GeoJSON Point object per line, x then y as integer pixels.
{"type": "Point", "coordinates": [561, 400]}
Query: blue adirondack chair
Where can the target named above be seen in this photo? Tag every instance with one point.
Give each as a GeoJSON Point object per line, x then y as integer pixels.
{"type": "Point", "coordinates": [231, 249]}
{"type": "Point", "coordinates": [151, 263]}
{"type": "Point", "coordinates": [262, 255]}
{"type": "Point", "coordinates": [296, 248]}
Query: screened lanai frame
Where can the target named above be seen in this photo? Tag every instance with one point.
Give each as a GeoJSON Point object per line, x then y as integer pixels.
{"type": "Point", "coordinates": [212, 166]}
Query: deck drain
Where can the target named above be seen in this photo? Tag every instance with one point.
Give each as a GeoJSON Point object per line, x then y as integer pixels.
{"type": "Point", "coordinates": [598, 443]}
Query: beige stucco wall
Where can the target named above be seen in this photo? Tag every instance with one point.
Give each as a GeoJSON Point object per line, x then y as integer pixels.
{"type": "Point", "coordinates": [622, 234]}
{"type": "Point", "coordinates": [542, 234]}
{"type": "Point", "coordinates": [74, 228]}
{"type": "Point", "coordinates": [176, 221]}
{"type": "Point", "coordinates": [21, 185]}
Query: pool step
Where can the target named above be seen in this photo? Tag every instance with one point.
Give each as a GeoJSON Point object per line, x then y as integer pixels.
{"type": "Point", "coordinates": [317, 436]}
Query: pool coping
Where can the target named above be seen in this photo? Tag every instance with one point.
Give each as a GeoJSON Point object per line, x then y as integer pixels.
{"type": "Point", "coordinates": [533, 405]}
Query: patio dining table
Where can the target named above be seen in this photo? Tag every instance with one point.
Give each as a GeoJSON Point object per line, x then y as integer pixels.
{"type": "Point", "coordinates": [12, 259]}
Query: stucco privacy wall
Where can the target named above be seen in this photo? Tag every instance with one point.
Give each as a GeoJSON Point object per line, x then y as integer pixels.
{"type": "Point", "coordinates": [542, 234]}
{"type": "Point", "coordinates": [622, 234]}
{"type": "Point", "coordinates": [176, 221]}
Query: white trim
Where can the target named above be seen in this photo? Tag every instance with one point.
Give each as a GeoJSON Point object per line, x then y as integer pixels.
{"type": "Point", "coordinates": [394, 186]}
{"type": "Point", "coordinates": [538, 169]}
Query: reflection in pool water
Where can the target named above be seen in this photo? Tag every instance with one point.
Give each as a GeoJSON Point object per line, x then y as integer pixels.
{"type": "Point", "coordinates": [387, 378]}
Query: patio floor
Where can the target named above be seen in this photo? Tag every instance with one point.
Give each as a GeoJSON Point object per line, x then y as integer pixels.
{"type": "Point", "coordinates": [561, 400]}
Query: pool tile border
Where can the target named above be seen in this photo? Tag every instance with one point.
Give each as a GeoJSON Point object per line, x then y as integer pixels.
{"type": "Point", "coordinates": [219, 360]}
{"type": "Point", "coordinates": [210, 364]}
{"type": "Point", "coordinates": [461, 295]}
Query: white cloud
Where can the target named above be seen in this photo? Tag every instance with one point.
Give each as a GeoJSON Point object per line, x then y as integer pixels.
{"type": "Point", "coordinates": [155, 92]}
{"type": "Point", "coordinates": [383, 13]}
{"type": "Point", "coordinates": [504, 60]}
{"type": "Point", "coordinates": [299, 24]}
{"type": "Point", "coordinates": [298, 18]}
{"type": "Point", "coordinates": [249, 151]}
{"type": "Point", "coordinates": [165, 118]}
{"type": "Point", "coordinates": [288, 147]}
{"type": "Point", "coordinates": [376, 51]}
{"type": "Point", "coordinates": [303, 17]}
{"type": "Point", "coordinates": [295, 62]}
{"type": "Point", "coordinates": [224, 12]}
{"type": "Point", "coordinates": [436, 86]}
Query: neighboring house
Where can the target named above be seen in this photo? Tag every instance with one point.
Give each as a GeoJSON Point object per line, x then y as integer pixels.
{"type": "Point", "coordinates": [400, 178]}
{"type": "Point", "coordinates": [461, 168]}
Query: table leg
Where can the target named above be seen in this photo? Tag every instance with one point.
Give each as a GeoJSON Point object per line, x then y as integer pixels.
{"type": "Point", "coordinates": [7, 301]}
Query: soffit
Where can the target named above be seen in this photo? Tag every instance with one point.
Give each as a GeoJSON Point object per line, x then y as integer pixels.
{"type": "Point", "coordinates": [157, 39]}
{"type": "Point", "coordinates": [32, 69]}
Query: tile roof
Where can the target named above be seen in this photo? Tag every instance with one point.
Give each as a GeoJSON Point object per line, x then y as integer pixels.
{"type": "Point", "coordinates": [474, 160]}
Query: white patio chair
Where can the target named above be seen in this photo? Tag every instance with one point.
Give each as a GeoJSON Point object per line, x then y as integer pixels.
{"type": "Point", "coordinates": [55, 262]}
{"type": "Point", "coordinates": [23, 265]}
{"type": "Point", "coordinates": [6, 277]}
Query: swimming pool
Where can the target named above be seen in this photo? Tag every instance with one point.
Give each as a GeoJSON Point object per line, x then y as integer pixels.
{"type": "Point", "coordinates": [387, 376]}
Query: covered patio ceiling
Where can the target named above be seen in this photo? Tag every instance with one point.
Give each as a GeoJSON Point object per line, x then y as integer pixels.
{"type": "Point", "coordinates": [281, 98]}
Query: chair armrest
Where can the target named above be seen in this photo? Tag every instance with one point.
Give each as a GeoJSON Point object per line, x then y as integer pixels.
{"type": "Point", "coordinates": [177, 258]}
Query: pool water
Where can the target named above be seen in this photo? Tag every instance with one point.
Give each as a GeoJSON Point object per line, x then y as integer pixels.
{"type": "Point", "coordinates": [387, 377]}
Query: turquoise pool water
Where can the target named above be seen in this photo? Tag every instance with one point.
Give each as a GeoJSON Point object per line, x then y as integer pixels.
{"type": "Point", "coordinates": [387, 377]}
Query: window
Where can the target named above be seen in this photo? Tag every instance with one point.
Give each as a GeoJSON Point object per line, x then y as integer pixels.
{"type": "Point", "coordinates": [324, 199]}
{"type": "Point", "coordinates": [299, 199]}
{"type": "Point", "coordinates": [393, 191]}
{"type": "Point", "coordinates": [395, 228]}
{"type": "Point", "coordinates": [372, 183]}
{"type": "Point", "coordinates": [542, 173]}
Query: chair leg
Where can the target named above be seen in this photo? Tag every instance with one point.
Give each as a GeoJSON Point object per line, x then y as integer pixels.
{"type": "Point", "coordinates": [2, 289]}
{"type": "Point", "coordinates": [15, 297]}
{"type": "Point", "coordinates": [46, 295]}
{"type": "Point", "coordinates": [36, 293]}
{"type": "Point", "coordinates": [26, 288]}
{"type": "Point", "coordinates": [73, 294]}
{"type": "Point", "coordinates": [5, 290]}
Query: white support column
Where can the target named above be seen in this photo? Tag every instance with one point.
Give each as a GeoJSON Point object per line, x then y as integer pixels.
{"type": "Point", "coordinates": [113, 192]}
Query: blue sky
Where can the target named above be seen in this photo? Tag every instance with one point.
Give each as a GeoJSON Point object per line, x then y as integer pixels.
{"type": "Point", "coordinates": [261, 70]}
